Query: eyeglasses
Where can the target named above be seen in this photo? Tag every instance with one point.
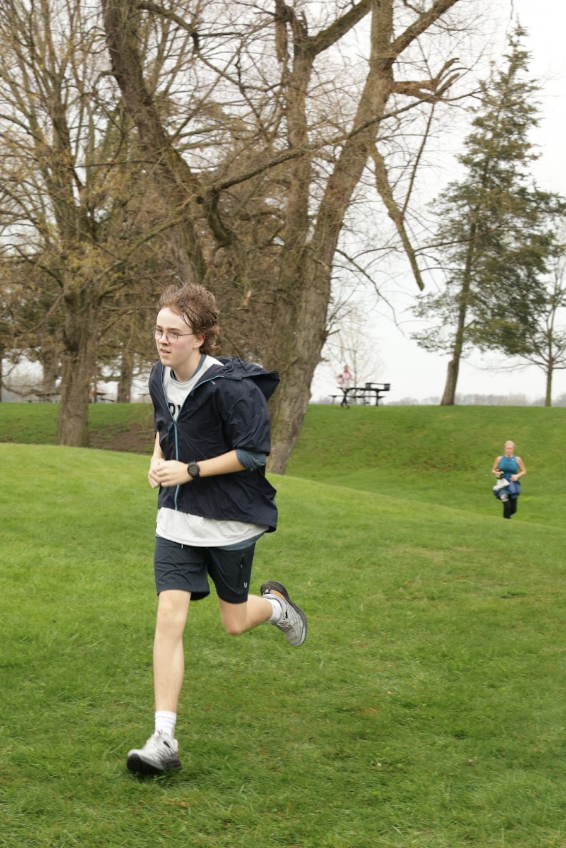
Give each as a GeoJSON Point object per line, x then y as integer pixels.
{"type": "Point", "coordinates": [171, 336]}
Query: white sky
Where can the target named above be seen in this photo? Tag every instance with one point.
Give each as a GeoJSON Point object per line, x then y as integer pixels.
{"type": "Point", "coordinates": [412, 371]}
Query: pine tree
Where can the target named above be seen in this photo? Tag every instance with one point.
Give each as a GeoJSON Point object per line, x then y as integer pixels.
{"type": "Point", "coordinates": [496, 233]}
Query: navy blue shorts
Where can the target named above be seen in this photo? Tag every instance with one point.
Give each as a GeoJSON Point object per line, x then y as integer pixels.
{"type": "Point", "coordinates": [187, 568]}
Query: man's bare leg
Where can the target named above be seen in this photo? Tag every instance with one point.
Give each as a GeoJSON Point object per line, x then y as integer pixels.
{"type": "Point", "coordinates": [274, 606]}
{"type": "Point", "coordinates": [161, 751]}
{"type": "Point", "coordinates": [238, 618]}
{"type": "Point", "coordinates": [168, 655]}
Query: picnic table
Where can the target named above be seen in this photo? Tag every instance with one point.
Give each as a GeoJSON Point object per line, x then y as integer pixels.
{"type": "Point", "coordinates": [104, 397]}
{"type": "Point", "coordinates": [366, 395]}
{"type": "Point", "coordinates": [48, 397]}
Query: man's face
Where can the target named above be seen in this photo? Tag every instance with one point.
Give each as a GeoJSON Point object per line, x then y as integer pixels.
{"type": "Point", "coordinates": [178, 347]}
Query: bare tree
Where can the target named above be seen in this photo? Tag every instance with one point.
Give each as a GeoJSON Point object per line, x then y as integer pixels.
{"type": "Point", "coordinates": [73, 191]}
{"type": "Point", "coordinates": [350, 343]}
{"type": "Point", "coordinates": [52, 137]}
{"type": "Point", "coordinates": [547, 340]}
{"type": "Point", "coordinates": [262, 152]}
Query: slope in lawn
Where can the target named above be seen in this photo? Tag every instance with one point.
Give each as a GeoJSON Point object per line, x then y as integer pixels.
{"type": "Point", "coordinates": [112, 426]}
{"type": "Point", "coordinates": [429, 454]}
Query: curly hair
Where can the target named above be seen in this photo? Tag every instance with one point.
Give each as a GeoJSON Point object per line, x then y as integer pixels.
{"type": "Point", "coordinates": [197, 307]}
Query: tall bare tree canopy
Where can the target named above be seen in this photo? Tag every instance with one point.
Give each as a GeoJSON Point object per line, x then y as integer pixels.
{"type": "Point", "coordinates": [260, 128]}
{"type": "Point", "coordinates": [73, 205]}
{"type": "Point", "coordinates": [230, 143]}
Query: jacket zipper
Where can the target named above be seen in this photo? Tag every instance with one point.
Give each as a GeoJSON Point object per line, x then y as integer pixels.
{"type": "Point", "coordinates": [174, 423]}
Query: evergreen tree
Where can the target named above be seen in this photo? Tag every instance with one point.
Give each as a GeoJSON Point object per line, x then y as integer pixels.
{"type": "Point", "coordinates": [496, 233]}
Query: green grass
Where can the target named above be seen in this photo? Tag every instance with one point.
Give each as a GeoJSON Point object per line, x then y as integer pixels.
{"type": "Point", "coordinates": [425, 709]}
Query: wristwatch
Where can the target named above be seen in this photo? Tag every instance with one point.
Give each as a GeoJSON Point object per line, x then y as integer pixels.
{"type": "Point", "coordinates": [194, 469]}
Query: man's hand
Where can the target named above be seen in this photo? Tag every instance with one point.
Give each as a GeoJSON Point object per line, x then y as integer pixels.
{"type": "Point", "coordinates": [168, 473]}
{"type": "Point", "coordinates": [154, 464]}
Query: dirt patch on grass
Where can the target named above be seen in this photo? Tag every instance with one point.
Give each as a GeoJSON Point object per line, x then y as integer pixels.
{"type": "Point", "coordinates": [136, 439]}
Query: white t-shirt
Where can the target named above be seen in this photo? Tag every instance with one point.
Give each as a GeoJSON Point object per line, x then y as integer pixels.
{"type": "Point", "coordinates": [182, 527]}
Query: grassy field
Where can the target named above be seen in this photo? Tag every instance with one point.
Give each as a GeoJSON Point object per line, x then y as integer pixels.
{"type": "Point", "coordinates": [426, 708]}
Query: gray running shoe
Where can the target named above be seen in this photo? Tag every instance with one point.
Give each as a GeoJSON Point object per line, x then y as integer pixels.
{"type": "Point", "coordinates": [293, 622]}
{"type": "Point", "coordinates": [158, 755]}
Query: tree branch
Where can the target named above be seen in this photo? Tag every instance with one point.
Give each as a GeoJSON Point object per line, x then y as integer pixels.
{"type": "Point", "coordinates": [307, 150]}
{"type": "Point", "coordinates": [156, 9]}
{"type": "Point", "coordinates": [386, 194]}
{"type": "Point", "coordinates": [426, 19]}
{"type": "Point", "coordinates": [338, 28]}
{"type": "Point", "coordinates": [364, 273]}
{"type": "Point", "coordinates": [422, 89]}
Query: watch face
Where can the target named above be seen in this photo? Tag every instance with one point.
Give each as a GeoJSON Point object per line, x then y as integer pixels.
{"type": "Point", "coordinates": [193, 469]}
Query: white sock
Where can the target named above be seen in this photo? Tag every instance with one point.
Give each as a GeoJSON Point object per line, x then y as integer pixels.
{"type": "Point", "coordinates": [277, 610]}
{"type": "Point", "coordinates": [165, 722]}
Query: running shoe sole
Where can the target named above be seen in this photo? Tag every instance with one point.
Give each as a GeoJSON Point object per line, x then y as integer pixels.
{"type": "Point", "coordinates": [137, 765]}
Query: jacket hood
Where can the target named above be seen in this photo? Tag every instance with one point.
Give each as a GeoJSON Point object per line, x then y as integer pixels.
{"type": "Point", "coordinates": [234, 368]}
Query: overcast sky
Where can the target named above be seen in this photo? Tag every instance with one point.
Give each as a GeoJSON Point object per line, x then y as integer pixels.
{"type": "Point", "coordinates": [411, 371]}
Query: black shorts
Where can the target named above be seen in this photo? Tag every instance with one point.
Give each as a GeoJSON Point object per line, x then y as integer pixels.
{"type": "Point", "coordinates": [187, 568]}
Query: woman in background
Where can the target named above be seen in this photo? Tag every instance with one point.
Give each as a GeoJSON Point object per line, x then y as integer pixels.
{"type": "Point", "coordinates": [345, 380]}
{"type": "Point", "coordinates": [509, 467]}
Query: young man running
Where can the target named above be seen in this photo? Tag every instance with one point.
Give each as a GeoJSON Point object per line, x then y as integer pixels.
{"type": "Point", "coordinates": [212, 440]}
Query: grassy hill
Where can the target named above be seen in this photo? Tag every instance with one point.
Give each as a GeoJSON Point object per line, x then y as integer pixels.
{"type": "Point", "coordinates": [112, 426]}
{"type": "Point", "coordinates": [430, 454]}
{"type": "Point", "coordinates": [435, 454]}
{"type": "Point", "coordinates": [426, 707]}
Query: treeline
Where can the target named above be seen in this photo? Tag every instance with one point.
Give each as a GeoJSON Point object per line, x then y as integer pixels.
{"type": "Point", "coordinates": [481, 400]}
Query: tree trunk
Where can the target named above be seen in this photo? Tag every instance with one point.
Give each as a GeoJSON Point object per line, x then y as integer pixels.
{"type": "Point", "coordinates": [126, 376]}
{"type": "Point", "coordinates": [449, 396]}
{"type": "Point", "coordinates": [306, 336]}
{"type": "Point", "coordinates": [178, 183]}
{"type": "Point", "coordinates": [50, 365]}
{"type": "Point", "coordinates": [548, 396]}
{"type": "Point", "coordinates": [79, 364]}
{"type": "Point", "coordinates": [298, 357]}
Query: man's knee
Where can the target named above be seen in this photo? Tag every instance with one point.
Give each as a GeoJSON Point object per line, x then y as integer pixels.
{"type": "Point", "coordinates": [234, 619]}
{"type": "Point", "coordinates": [172, 611]}
{"type": "Point", "coordinates": [234, 628]}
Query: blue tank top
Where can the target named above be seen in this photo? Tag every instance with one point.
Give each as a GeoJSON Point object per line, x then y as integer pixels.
{"type": "Point", "coordinates": [509, 466]}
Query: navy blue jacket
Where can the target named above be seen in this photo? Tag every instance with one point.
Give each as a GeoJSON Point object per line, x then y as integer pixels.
{"type": "Point", "coordinates": [225, 411]}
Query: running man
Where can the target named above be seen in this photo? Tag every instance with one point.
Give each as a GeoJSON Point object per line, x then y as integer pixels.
{"type": "Point", "coordinates": [212, 439]}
